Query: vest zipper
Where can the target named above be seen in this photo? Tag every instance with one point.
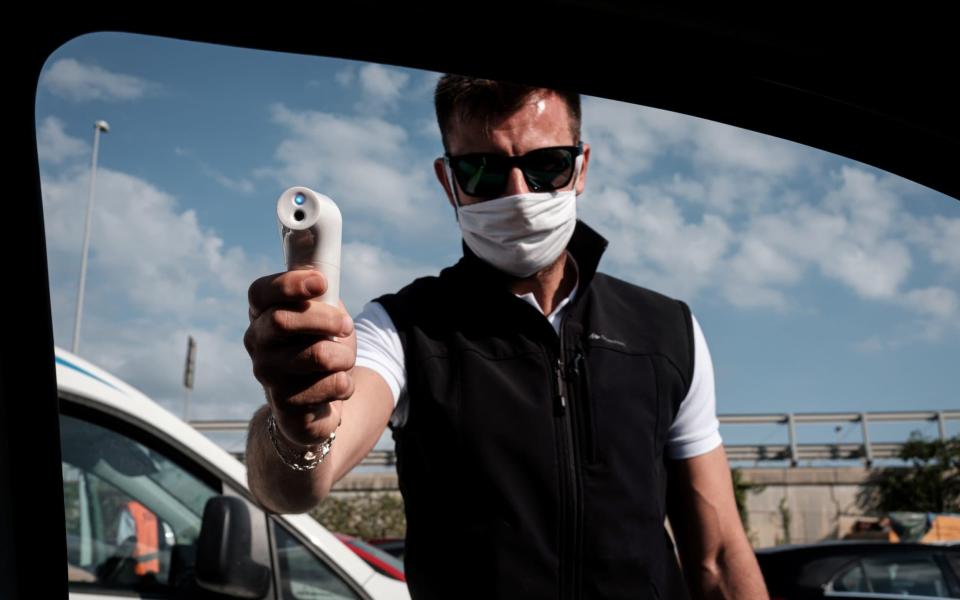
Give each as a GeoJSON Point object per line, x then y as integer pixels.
{"type": "Point", "coordinates": [577, 372]}
{"type": "Point", "coordinates": [571, 534]}
{"type": "Point", "coordinates": [561, 392]}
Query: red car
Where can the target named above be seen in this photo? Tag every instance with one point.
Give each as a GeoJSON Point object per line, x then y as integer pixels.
{"type": "Point", "coordinates": [378, 559]}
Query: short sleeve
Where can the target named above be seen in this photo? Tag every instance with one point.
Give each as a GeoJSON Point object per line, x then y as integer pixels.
{"type": "Point", "coordinates": [695, 429]}
{"type": "Point", "coordinates": [379, 347]}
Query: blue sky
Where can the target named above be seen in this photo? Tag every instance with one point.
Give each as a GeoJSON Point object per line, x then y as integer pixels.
{"type": "Point", "coordinates": [821, 284]}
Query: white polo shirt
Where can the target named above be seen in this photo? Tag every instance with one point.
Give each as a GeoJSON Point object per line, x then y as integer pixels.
{"type": "Point", "coordinates": [695, 430]}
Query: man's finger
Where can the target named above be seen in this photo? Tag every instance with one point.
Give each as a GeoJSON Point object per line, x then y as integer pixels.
{"type": "Point", "coordinates": [320, 357]}
{"type": "Point", "coordinates": [299, 394]}
{"type": "Point", "coordinates": [277, 324]}
{"type": "Point", "coordinates": [284, 288]}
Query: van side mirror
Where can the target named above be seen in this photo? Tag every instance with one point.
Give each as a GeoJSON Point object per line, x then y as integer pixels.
{"type": "Point", "coordinates": [224, 561]}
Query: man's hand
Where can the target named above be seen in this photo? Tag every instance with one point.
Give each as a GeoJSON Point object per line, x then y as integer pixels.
{"type": "Point", "coordinates": [303, 353]}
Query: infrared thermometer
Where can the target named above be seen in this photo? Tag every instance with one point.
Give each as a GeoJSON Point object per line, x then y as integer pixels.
{"type": "Point", "coordinates": [311, 229]}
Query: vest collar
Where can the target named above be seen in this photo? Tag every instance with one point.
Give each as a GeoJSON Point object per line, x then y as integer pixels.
{"type": "Point", "coordinates": [586, 246]}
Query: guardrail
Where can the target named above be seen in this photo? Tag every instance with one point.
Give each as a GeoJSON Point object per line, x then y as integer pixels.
{"type": "Point", "coordinates": [792, 451]}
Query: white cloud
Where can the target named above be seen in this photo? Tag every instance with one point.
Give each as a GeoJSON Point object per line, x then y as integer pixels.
{"type": "Point", "coordinates": [727, 148]}
{"type": "Point", "coordinates": [754, 272]}
{"type": "Point", "coordinates": [874, 344]}
{"type": "Point", "coordinates": [753, 236]}
{"type": "Point", "coordinates": [55, 145]}
{"type": "Point", "coordinates": [381, 88]}
{"type": "Point", "coordinates": [936, 317]}
{"type": "Point", "coordinates": [628, 139]}
{"type": "Point", "coordinates": [945, 249]}
{"type": "Point", "coordinates": [724, 193]}
{"type": "Point", "coordinates": [78, 81]}
{"type": "Point", "coordinates": [849, 237]}
{"type": "Point", "coordinates": [735, 215]}
{"type": "Point", "coordinates": [428, 128]}
{"type": "Point", "coordinates": [159, 258]}
{"type": "Point", "coordinates": [424, 86]}
{"type": "Point", "coordinates": [653, 244]}
{"type": "Point", "coordinates": [346, 76]}
{"type": "Point", "coordinates": [155, 276]}
{"type": "Point", "coordinates": [382, 83]}
{"type": "Point", "coordinates": [866, 253]}
{"type": "Point", "coordinates": [936, 301]}
{"type": "Point", "coordinates": [624, 139]}
{"type": "Point", "coordinates": [150, 355]}
{"type": "Point", "coordinates": [241, 185]}
{"type": "Point", "coordinates": [370, 271]}
{"type": "Point", "coordinates": [875, 272]}
{"type": "Point", "coordinates": [940, 237]}
{"type": "Point", "coordinates": [366, 164]}
{"type": "Point", "coordinates": [871, 206]}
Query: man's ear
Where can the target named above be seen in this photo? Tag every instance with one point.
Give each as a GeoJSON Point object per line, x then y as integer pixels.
{"type": "Point", "coordinates": [441, 173]}
{"type": "Point", "coordinates": [582, 180]}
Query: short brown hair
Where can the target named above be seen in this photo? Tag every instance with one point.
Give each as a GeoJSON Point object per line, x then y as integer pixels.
{"type": "Point", "coordinates": [462, 97]}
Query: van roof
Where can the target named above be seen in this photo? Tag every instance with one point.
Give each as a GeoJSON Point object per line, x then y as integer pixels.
{"type": "Point", "coordinates": [91, 385]}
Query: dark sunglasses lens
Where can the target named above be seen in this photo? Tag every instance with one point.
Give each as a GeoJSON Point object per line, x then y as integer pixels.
{"type": "Point", "coordinates": [549, 169]}
{"type": "Point", "coordinates": [478, 175]}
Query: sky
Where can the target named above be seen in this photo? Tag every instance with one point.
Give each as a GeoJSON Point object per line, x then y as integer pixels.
{"type": "Point", "coordinates": [821, 284]}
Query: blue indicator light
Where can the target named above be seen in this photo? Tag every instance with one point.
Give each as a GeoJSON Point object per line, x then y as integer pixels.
{"type": "Point", "coordinates": [299, 199]}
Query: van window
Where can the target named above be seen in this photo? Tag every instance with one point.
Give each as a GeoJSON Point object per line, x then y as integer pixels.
{"type": "Point", "coordinates": [303, 576]}
{"type": "Point", "coordinates": [132, 514]}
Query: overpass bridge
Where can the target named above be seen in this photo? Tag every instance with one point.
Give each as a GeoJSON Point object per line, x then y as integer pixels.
{"type": "Point", "coordinates": [802, 491]}
{"type": "Point", "coordinates": [793, 451]}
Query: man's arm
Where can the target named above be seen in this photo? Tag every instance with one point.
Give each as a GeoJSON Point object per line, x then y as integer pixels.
{"type": "Point", "coordinates": [281, 489]}
{"type": "Point", "coordinates": [304, 354]}
{"type": "Point", "coordinates": [718, 561]}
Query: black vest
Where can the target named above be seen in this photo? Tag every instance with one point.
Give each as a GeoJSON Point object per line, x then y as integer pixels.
{"type": "Point", "coordinates": [533, 466]}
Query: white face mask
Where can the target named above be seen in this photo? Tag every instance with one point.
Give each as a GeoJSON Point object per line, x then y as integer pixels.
{"type": "Point", "coordinates": [524, 233]}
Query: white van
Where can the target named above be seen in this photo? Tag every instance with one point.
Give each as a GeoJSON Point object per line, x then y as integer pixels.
{"type": "Point", "coordinates": [154, 509]}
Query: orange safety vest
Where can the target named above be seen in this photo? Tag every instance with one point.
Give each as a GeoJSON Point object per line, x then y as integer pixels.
{"type": "Point", "coordinates": [148, 533]}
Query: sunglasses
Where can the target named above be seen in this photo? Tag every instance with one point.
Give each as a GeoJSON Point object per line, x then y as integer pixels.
{"type": "Point", "coordinates": [485, 175]}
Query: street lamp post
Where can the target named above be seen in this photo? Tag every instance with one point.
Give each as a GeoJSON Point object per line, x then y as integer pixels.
{"type": "Point", "coordinates": [98, 127]}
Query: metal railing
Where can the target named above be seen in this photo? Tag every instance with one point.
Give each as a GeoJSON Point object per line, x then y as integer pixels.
{"type": "Point", "coordinates": [793, 451]}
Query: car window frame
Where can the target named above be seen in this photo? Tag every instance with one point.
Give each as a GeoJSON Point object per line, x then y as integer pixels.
{"type": "Point", "coordinates": [30, 345]}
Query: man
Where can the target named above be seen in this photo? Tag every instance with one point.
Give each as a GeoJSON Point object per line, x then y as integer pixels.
{"type": "Point", "coordinates": [539, 408]}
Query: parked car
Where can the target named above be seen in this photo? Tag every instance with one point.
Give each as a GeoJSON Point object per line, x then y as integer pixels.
{"type": "Point", "coordinates": [154, 508]}
{"type": "Point", "coordinates": [393, 546]}
{"type": "Point", "coordinates": [376, 557]}
{"type": "Point", "coordinates": [861, 570]}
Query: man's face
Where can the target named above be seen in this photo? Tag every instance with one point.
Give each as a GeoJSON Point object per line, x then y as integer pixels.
{"type": "Point", "coordinates": [542, 122]}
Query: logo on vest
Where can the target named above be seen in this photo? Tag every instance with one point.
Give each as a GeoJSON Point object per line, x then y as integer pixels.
{"type": "Point", "coordinates": [600, 336]}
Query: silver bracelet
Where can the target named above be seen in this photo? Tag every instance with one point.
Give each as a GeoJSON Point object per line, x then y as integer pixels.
{"type": "Point", "coordinates": [297, 459]}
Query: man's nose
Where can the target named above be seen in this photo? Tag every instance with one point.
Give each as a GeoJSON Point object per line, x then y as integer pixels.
{"type": "Point", "coordinates": [516, 184]}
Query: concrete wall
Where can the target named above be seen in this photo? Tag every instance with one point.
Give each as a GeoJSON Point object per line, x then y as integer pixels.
{"type": "Point", "coordinates": [821, 503]}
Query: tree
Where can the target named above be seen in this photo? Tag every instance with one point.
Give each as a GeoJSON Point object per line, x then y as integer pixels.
{"type": "Point", "coordinates": [929, 483]}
